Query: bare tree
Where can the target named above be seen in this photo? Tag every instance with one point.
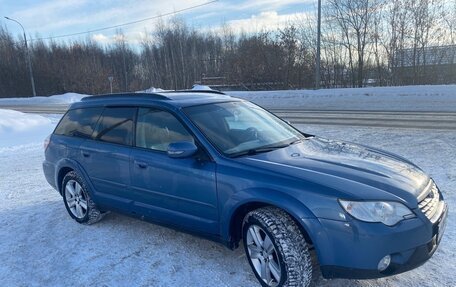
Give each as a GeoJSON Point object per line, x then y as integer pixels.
{"type": "Point", "coordinates": [361, 40]}
{"type": "Point", "coordinates": [354, 18]}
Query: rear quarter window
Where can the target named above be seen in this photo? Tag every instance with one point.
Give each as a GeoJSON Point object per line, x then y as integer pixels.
{"type": "Point", "coordinates": [79, 122]}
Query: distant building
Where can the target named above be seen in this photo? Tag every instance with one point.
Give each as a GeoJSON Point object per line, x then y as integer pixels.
{"type": "Point", "coordinates": [432, 65]}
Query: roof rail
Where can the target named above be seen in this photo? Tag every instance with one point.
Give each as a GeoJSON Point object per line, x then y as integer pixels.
{"type": "Point", "coordinates": [194, 91]}
{"type": "Point", "coordinates": [122, 95]}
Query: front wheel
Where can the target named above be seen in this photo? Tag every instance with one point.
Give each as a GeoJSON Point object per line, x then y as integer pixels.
{"type": "Point", "coordinates": [276, 249]}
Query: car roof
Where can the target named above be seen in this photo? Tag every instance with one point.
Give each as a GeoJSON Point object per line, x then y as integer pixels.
{"type": "Point", "coordinates": [169, 98]}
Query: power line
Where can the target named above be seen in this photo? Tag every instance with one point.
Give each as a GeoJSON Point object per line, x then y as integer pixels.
{"type": "Point", "coordinates": [125, 24]}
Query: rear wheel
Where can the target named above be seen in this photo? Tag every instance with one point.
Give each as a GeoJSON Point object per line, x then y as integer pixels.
{"type": "Point", "coordinates": [77, 199]}
{"type": "Point", "coordinates": [276, 249]}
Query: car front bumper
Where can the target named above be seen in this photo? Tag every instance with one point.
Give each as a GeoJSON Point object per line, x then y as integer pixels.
{"type": "Point", "coordinates": [353, 248]}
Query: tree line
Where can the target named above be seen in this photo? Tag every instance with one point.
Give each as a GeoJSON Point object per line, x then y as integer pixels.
{"type": "Point", "coordinates": [364, 42]}
{"type": "Point", "coordinates": [384, 43]}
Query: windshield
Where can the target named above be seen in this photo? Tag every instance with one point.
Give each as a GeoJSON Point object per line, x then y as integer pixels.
{"type": "Point", "coordinates": [239, 128]}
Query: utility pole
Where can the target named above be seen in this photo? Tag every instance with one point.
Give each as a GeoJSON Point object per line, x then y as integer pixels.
{"type": "Point", "coordinates": [28, 60]}
{"type": "Point", "coordinates": [125, 67]}
{"type": "Point", "coordinates": [317, 66]}
{"type": "Point", "coordinates": [110, 78]}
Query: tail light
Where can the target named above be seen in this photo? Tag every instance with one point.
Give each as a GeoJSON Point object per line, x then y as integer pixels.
{"type": "Point", "coordinates": [46, 142]}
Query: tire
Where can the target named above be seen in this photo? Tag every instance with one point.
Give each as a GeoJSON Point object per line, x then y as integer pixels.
{"type": "Point", "coordinates": [290, 256]}
{"type": "Point", "coordinates": [77, 199]}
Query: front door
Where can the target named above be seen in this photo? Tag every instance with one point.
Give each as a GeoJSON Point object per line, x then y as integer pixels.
{"type": "Point", "coordinates": [179, 192]}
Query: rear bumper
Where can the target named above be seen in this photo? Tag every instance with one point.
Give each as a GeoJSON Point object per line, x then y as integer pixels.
{"type": "Point", "coordinates": [49, 173]}
{"type": "Point", "coordinates": [356, 255]}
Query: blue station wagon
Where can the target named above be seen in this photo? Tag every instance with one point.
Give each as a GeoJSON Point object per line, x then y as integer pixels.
{"type": "Point", "coordinates": [228, 170]}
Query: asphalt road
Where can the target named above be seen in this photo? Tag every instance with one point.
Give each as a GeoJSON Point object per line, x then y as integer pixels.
{"type": "Point", "coordinates": [393, 119]}
{"type": "Point", "coordinates": [41, 109]}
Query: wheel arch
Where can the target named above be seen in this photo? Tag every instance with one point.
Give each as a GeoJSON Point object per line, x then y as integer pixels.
{"type": "Point", "coordinates": [297, 211]}
{"type": "Point", "coordinates": [65, 166]}
{"type": "Point", "coordinates": [61, 174]}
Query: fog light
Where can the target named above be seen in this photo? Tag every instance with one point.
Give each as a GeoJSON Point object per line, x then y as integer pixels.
{"type": "Point", "coordinates": [384, 263]}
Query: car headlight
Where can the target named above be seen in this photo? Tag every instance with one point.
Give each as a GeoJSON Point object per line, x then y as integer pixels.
{"type": "Point", "coordinates": [386, 212]}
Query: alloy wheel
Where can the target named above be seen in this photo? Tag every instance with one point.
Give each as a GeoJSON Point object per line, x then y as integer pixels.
{"type": "Point", "coordinates": [76, 199]}
{"type": "Point", "coordinates": [263, 255]}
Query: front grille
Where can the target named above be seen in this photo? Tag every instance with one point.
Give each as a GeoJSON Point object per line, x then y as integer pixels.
{"type": "Point", "coordinates": [430, 202]}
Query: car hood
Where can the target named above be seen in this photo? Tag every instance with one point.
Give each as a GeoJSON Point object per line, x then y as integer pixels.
{"type": "Point", "coordinates": [314, 159]}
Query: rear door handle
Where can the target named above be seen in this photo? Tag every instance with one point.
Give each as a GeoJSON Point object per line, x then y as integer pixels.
{"type": "Point", "coordinates": [85, 153]}
{"type": "Point", "coordinates": [140, 164]}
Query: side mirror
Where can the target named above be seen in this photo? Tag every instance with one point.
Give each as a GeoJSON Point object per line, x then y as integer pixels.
{"type": "Point", "coordinates": [181, 149]}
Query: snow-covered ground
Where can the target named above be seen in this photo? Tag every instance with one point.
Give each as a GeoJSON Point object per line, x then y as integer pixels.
{"type": "Point", "coordinates": [402, 98]}
{"type": "Point", "coordinates": [63, 99]}
{"type": "Point", "coordinates": [40, 245]}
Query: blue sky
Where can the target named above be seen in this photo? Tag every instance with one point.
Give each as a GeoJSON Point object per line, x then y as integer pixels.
{"type": "Point", "coordinates": [51, 18]}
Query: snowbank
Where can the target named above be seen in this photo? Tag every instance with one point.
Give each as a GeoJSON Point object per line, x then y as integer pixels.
{"type": "Point", "coordinates": [201, 88]}
{"type": "Point", "coordinates": [64, 99]}
{"type": "Point", "coordinates": [17, 128]}
{"type": "Point", "coordinates": [158, 90]}
{"type": "Point", "coordinates": [151, 90]}
{"type": "Point", "coordinates": [403, 98]}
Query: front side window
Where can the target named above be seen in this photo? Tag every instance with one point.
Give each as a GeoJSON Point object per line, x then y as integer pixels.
{"type": "Point", "coordinates": [239, 128]}
{"type": "Point", "coordinates": [156, 129]}
{"type": "Point", "coordinates": [79, 122]}
{"type": "Point", "coordinates": [116, 126]}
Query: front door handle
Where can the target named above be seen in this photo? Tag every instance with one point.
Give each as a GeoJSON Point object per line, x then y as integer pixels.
{"type": "Point", "coordinates": [140, 164]}
{"type": "Point", "coordinates": [85, 153]}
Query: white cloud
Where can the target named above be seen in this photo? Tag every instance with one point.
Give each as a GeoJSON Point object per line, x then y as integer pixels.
{"type": "Point", "coordinates": [269, 20]}
{"type": "Point", "coordinates": [225, 8]}
{"type": "Point", "coordinates": [101, 38]}
{"type": "Point", "coordinates": [131, 38]}
{"type": "Point", "coordinates": [37, 17]}
{"type": "Point", "coordinates": [53, 18]}
{"type": "Point", "coordinates": [50, 7]}
{"type": "Point", "coordinates": [275, 5]}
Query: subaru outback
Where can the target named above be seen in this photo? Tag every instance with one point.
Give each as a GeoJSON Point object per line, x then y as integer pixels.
{"type": "Point", "coordinates": [228, 170]}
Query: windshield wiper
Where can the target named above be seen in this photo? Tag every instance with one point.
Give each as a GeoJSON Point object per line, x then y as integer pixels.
{"type": "Point", "coordinates": [254, 151]}
{"type": "Point", "coordinates": [263, 149]}
{"type": "Point", "coordinates": [266, 148]}
{"type": "Point", "coordinates": [295, 142]}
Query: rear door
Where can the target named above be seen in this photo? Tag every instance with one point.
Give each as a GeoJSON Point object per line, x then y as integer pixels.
{"type": "Point", "coordinates": [106, 157]}
{"type": "Point", "coordinates": [175, 191]}
{"type": "Point", "coordinates": [76, 126]}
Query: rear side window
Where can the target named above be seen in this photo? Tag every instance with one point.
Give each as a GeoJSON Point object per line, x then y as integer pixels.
{"type": "Point", "coordinates": [79, 122]}
{"type": "Point", "coordinates": [116, 126]}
